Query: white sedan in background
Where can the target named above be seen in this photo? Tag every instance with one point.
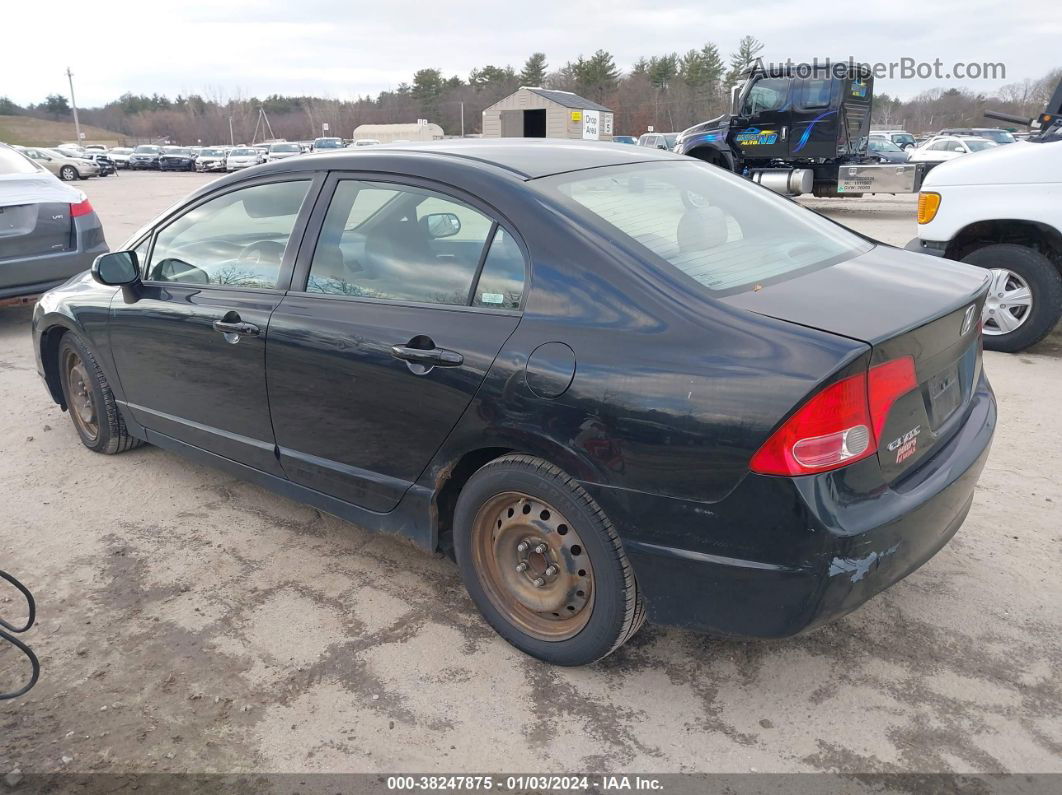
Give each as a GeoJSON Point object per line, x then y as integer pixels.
{"type": "Point", "coordinates": [242, 157]}
{"type": "Point", "coordinates": [948, 147]}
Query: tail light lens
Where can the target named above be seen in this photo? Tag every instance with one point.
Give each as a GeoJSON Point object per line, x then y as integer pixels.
{"type": "Point", "coordinates": [839, 425]}
{"type": "Point", "coordinates": [81, 208]}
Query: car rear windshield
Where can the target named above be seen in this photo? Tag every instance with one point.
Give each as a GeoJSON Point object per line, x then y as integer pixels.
{"type": "Point", "coordinates": [285, 148]}
{"type": "Point", "coordinates": [723, 231]}
{"type": "Point", "coordinates": [11, 162]}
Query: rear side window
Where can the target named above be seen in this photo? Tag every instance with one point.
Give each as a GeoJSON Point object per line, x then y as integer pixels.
{"type": "Point", "coordinates": [501, 283]}
{"type": "Point", "coordinates": [814, 94]}
{"type": "Point", "coordinates": [398, 243]}
{"type": "Point", "coordinates": [235, 240]}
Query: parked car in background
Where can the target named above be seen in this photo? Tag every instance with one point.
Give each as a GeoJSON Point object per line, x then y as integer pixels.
{"type": "Point", "coordinates": [942, 148]}
{"type": "Point", "coordinates": [996, 135]}
{"type": "Point", "coordinates": [242, 157]}
{"type": "Point", "coordinates": [120, 156]}
{"type": "Point", "coordinates": [363, 142]}
{"type": "Point", "coordinates": [757, 465]}
{"type": "Point", "coordinates": [145, 156]}
{"type": "Point", "coordinates": [103, 160]}
{"type": "Point", "coordinates": [624, 139]}
{"type": "Point", "coordinates": [210, 159]}
{"type": "Point", "coordinates": [176, 158]}
{"type": "Point", "coordinates": [95, 148]}
{"type": "Point", "coordinates": [659, 140]}
{"type": "Point", "coordinates": [66, 167]}
{"type": "Point", "coordinates": [1000, 211]}
{"type": "Point", "coordinates": [321, 144]}
{"type": "Point", "coordinates": [884, 150]}
{"type": "Point", "coordinates": [48, 230]}
{"type": "Point", "coordinates": [901, 138]}
{"type": "Point", "coordinates": [282, 151]}
{"type": "Point", "coordinates": [70, 150]}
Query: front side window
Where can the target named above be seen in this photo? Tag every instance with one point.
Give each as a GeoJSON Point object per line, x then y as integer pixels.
{"type": "Point", "coordinates": [235, 240]}
{"type": "Point", "coordinates": [717, 228]}
{"type": "Point", "coordinates": [977, 146]}
{"type": "Point", "coordinates": [398, 243]}
{"type": "Point", "coordinates": [768, 94]}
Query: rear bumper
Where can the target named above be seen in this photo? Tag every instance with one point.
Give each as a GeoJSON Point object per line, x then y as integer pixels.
{"type": "Point", "coordinates": [29, 276]}
{"type": "Point", "coordinates": [780, 556]}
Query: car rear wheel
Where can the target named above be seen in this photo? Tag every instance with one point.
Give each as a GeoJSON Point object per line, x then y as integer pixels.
{"type": "Point", "coordinates": [90, 401]}
{"type": "Point", "coordinates": [1025, 298]}
{"type": "Point", "coordinates": [543, 563]}
{"type": "Point", "coordinates": [68, 173]}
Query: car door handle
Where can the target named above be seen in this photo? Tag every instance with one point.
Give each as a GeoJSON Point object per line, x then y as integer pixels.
{"type": "Point", "coordinates": [433, 357]}
{"type": "Point", "coordinates": [236, 327]}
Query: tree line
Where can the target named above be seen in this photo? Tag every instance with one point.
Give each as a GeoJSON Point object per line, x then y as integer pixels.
{"type": "Point", "coordinates": [668, 92]}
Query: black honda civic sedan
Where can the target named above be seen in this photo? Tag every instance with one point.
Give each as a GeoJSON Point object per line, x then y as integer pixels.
{"type": "Point", "coordinates": [616, 383]}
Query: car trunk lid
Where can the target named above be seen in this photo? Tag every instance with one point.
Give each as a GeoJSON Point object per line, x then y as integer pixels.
{"type": "Point", "coordinates": [903, 305]}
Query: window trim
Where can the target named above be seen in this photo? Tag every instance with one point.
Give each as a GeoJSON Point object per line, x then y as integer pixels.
{"type": "Point", "coordinates": [287, 262]}
{"type": "Point", "coordinates": [312, 232]}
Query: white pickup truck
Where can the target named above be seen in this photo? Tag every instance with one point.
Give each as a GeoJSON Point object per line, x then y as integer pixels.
{"type": "Point", "coordinates": [1001, 209]}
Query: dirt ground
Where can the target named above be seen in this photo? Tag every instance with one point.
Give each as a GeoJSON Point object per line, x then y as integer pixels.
{"type": "Point", "coordinates": [192, 622]}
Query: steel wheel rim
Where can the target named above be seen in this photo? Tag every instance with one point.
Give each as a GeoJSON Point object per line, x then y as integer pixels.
{"type": "Point", "coordinates": [1009, 303]}
{"type": "Point", "coordinates": [533, 566]}
{"type": "Point", "coordinates": [80, 396]}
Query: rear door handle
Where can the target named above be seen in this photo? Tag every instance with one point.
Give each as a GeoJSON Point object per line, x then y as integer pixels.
{"type": "Point", "coordinates": [433, 357]}
{"type": "Point", "coordinates": [236, 327]}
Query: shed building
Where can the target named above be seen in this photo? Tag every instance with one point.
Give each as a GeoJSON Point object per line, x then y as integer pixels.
{"type": "Point", "coordinates": [533, 112]}
{"type": "Point", "coordinates": [422, 130]}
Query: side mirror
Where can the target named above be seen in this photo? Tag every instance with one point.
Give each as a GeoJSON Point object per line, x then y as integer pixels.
{"type": "Point", "coordinates": [958, 149]}
{"type": "Point", "coordinates": [442, 225]}
{"type": "Point", "coordinates": [117, 269]}
{"type": "Point", "coordinates": [735, 95]}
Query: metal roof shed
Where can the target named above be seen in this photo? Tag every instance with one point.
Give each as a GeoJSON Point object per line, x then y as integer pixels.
{"type": "Point", "coordinates": [533, 112]}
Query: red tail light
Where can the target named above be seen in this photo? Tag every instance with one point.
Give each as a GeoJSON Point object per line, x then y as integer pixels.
{"type": "Point", "coordinates": [838, 426]}
{"type": "Point", "coordinates": [81, 208]}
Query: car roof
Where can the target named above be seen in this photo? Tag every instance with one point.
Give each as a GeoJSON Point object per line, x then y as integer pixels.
{"type": "Point", "coordinates": [523, 158]}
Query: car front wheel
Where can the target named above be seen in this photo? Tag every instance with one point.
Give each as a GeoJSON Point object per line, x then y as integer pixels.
{"type": "Point", "coordinates": [68, 173]}
{"type": "Point", "coordinates": [1025, 298]}
{"type": "Point", "coordinates": [90, 401]}
{"type": "Point", "coordinates": [543, 563]}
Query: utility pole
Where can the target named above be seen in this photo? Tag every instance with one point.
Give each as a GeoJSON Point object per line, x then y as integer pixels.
{"type": "Point", "coordinates": [73, 104]}
{"type": "Point", "coordinates": [462, 119]}
{"type": "Point", "coordinates": [232, 138]}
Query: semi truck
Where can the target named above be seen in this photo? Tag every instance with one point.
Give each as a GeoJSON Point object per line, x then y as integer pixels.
{"type": "Point", "coordinates": [801, 129]}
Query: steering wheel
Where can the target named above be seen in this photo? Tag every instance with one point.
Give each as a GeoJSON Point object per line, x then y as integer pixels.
{"type": "Point", "coordinates": [262, 250]}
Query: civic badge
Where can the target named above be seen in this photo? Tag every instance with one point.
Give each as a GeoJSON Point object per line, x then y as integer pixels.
{"type": "Point", "coordinates": [968, 320]}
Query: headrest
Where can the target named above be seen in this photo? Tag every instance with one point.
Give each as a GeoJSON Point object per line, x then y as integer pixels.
{"type": "Point", "coordinates": [701, 228]}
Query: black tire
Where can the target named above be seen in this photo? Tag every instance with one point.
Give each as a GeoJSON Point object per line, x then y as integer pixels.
{"type": "Point", "coordinates": [89, 387]}
{"type": "Point", "coordinates": [68, 174]}
{"type": "Point", "coordinates": [617, 610]}
{"type": "Point", "coordinates": [1044, 281]}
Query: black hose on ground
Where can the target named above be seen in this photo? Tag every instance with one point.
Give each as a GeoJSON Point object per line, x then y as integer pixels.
{"type": "Point", "coordinates": [8, 632]}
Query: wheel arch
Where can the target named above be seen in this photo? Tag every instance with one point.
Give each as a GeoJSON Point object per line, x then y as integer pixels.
{"type": "Point", "coordinates": [713, 155]}
{"type": "Point", "coordinates": [50, 340]}
{"type": "Point", "coordinates": [1034, 234]}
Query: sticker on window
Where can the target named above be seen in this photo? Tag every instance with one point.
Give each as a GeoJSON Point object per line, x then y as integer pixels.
{"type": "Point", "coordinates": [492, 298]}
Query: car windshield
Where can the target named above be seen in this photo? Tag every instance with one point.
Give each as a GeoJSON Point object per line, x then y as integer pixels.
{"type": "Point", "coordinates": [285, 148]}
{"type": "Point", "coordinates": [148, 149]}
{"type": "Point", "coordinates": [11, 162]}
{"type": "Point", "coordinates": [243, 152]}
{"type": "Point", "coordinates": [719, 229]}
{"type": "Point", "coordinates": [210, 152]}
{"type": "Point", "coordinates": [121, 150]}
{"type": "Point", "coordinates": [903, 138]}
{"type": "Point", "coordinates": [883, 145]}
{"type": "Point", "coordinates": [328, 143]}
{"type": "Point", "coordinates": [976, 145]}
{"type": "Point", "coordinates": [179, 152]}
{"type": "Point", "coordinates": [670, 139]}
{"type": "Point", "coordinates": [998, 136]}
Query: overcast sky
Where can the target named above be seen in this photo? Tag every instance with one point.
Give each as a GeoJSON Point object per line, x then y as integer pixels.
{"type": "Point", "coordinates": [344, 49]}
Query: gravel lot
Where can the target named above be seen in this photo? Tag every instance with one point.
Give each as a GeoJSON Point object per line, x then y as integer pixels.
{"type": "Point", "coordinates": [192, 622]}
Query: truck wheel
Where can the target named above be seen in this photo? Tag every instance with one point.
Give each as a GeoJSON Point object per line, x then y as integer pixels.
{"type": "Point", "coordinates": [543, 563]}
{"type": "Point", "coordinates": [89, 400]}
{"type": "Point", "coordinates": [1025, 298]}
